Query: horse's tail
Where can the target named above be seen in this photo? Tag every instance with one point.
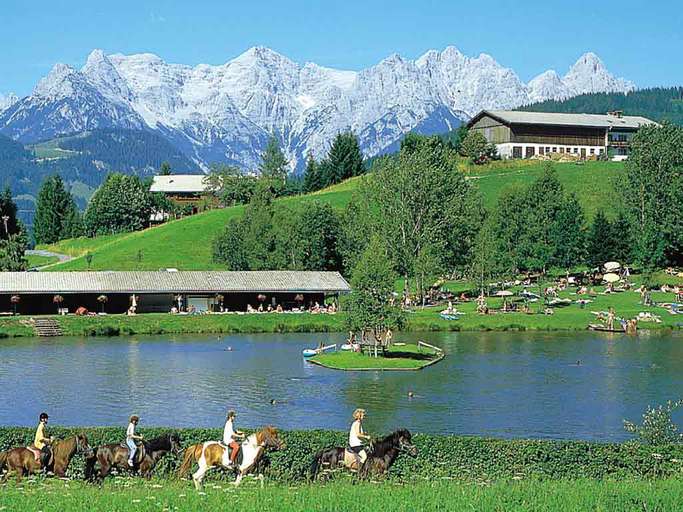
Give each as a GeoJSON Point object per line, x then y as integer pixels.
{"type": "Point", "coordinates": [315, 465]}
{"type": "Point", "coordinates": [192, 454]}
{"type": "Point", "coordinates": [3, 461]}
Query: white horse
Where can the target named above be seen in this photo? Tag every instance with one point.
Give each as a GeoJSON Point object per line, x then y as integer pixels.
{"type": "Point", "coordinates": [213, 454]}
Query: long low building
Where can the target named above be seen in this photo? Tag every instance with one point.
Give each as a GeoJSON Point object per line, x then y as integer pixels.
{"type": "Point", "coordinates": [150, 291]}
{"type": "Point", "coordinates": [518, 134]}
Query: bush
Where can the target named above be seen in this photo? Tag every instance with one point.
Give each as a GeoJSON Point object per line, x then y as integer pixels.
{"type": "Point", "coordinates": [456, 457]}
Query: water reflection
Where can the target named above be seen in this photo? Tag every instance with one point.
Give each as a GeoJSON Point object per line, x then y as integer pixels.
{"type": "Point", "coordinates": [579, 385]}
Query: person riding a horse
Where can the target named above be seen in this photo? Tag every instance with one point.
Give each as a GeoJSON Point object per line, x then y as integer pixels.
{"type": "Point", "coordinates": [357, 436]}
{"type": "Point", "coordinates": [131, 437]}
{"type": "Point", "coordinates": [231, 437]}
{"type": "Point", "coordinates": [41, 442]}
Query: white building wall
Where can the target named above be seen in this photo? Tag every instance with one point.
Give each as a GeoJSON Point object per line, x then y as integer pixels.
{"type": "Point", "coordinates": [505, 151]}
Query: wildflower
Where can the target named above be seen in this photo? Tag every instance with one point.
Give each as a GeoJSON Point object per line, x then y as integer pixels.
{"type": "Point", "coordinates": [658, 456]}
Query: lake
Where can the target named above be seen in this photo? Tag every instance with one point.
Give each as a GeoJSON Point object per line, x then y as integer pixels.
{"type": "Point", "coordinates": [500, 384]}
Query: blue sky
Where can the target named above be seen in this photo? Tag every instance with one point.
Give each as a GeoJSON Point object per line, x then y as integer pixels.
{"type": "Point", "coordinates": [641, 41]}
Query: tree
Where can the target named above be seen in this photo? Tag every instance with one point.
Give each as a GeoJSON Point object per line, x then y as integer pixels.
{"type": "Point", "coordinates": [417, 200]}
{"type": "Point", "coordinates": [370, 306]}
{"type": "Point", "coordinates": [165, 169]}
{"type": "Point", "coordinates": [622, 238]}
{"type": "Point", "coordinates": [488, 261]}
{"type": "Point", "coordinates": [12, 251]}
{"type": "Point", "coordinates": [475, 147]}
{"type": "Point", "coordinates": [57, 216]}
{"type": "Point", "coordinates": [540, 226]}
{"type": "Point", "coordinates": [121, 204]}
{"type": "Point", "coordinates": [344, 160]}
{"type": "Point", "coordinates": [9, 224]}
{"type": "Point", "coordinates": [312, 178]}
{"type": "Point", "coordinates": [599, 240]}
{"type": "Point", "coordinates": [653, 188]}
{"type": "Point", "coordinates": [569, 233]}
{"type": "Point", "coordinates": [230, 185]}
{"type": "Point", "coordinates": [273, 162]}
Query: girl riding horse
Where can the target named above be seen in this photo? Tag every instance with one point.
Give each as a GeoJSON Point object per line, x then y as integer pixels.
{"type": "Point", "coordinates": [213, 454]}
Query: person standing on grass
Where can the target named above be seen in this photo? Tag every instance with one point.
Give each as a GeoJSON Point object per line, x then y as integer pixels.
{"type": "Point", "coordinates": [131, 437]}
{"type": "Point", "coordinates": [357, 436]}
{"type": "Point", "coordinates": [610, 318]}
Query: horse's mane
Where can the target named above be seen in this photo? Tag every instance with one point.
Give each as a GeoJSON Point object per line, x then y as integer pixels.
{"type": "Point", "coordinates": [162, 442]}
{"type": "Point", "coordinates": [379, 448]}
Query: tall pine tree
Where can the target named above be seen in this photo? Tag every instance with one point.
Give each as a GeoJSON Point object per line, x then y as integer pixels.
{"type": "Point", "coordinates": [273, 161]}
{"type": "Point", "coordinates": [312, 178]}
{"type": "Point", "coordinates": [343, 161]}
{"type": "Point", "coordinates": [57, 216]}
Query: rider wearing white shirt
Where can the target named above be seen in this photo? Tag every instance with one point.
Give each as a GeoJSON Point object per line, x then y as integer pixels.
{"type": "Point", "coordinates": [131, 437]}
{"type": "Point", "coordinates": [357, 436]}
{"type": "Point", "coordinates": [232, 436]}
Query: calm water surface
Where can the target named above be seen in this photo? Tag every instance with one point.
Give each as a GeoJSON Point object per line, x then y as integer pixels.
{"type": "Point", "coordinates": [492, 384]}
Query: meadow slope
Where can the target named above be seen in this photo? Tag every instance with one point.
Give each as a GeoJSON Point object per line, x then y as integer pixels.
{"type": "Point", "coordinates": [185, 244]}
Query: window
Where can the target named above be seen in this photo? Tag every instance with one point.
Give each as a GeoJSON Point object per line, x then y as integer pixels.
{"type": "Point", "coordinates": [561, 150]}
{"type": "Point", "coordinates": [576, 151]}
{"type": "Point", "coordinates": [554, 150]}
{"type": "Point", "coordinates": [592, 151]}
{"type": "Point", "coordinates": [547, 149]}
{"type": "Point", "coordinates": [516, 151]}
{"type": "Point", "coordinates": [541, 150]}
{"type": "Point", "coordinates": [530, 151]}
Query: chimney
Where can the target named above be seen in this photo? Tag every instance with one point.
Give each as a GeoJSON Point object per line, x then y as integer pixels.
{"type": "Point", "coordinates": [616, 113]}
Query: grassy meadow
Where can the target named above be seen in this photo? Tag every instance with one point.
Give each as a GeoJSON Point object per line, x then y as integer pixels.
{"type": "Point", "coordinates": [186, 244]}
{"type": "Point", "coordinates": [398, 357]}
{"type": "Point", "coordinates": [123, 494]}
{"type": "Point", "coordinates": [35, 260]}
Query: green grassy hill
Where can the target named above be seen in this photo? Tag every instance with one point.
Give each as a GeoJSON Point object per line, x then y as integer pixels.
{"type": "Point", "coordinates": [186, 243]}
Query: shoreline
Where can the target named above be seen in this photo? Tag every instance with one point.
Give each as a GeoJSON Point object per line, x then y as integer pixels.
{"type": "Point", "coordinates": [417, 321]}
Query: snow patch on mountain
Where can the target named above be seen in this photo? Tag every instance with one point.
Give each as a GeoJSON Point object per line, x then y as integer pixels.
{"type": "Point", "coordinates": [6, 101]}
{"type": "Point", "coordinates": [227, 112]}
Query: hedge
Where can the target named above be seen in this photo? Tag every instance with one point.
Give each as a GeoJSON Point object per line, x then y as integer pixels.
{"type": "Point", "coordinates": [450, 457]}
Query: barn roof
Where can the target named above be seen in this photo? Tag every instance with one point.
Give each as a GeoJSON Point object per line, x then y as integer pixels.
{"type": "Point", "coordinates": [172, 282]}
{"type": "Point", "coordinates": [194, 183]}
{"type": "Point", "coordinates": [561, 119]}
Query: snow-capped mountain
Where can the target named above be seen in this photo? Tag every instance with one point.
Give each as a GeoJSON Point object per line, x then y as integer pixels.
{"type": "Point", "coordinates": [7, 101]}
{"type": "Point", "coordinates": [226, 112]}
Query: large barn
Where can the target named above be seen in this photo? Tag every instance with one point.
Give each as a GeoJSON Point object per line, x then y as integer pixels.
{"type": "Point", "coordinates": [48, 292]}
{"type": "Point", "coordinates": [519, 134]}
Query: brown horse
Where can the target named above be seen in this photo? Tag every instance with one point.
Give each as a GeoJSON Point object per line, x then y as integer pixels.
{"type": "Point", "coordinates": [115, 455]}
{"type": "Point", "coordinates": [23, 462]}
{"type": "Point", "coordinates": [212, 454]}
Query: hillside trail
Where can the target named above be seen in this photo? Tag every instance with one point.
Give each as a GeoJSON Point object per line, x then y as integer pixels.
{"type": "Point", "coordinates": [48, 254]}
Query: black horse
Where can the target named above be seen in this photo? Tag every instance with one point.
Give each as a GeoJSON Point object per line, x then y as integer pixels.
{"type": "Point", "coordinates": [380, 456]}
{"type": "Point", "coordinates": [116, 456]}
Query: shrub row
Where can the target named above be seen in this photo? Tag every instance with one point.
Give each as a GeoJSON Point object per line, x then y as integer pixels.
{"type": "Point", "coordinates": [455, 457]}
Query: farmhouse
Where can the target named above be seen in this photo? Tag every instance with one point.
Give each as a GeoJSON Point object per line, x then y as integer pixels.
{"type": "Point", "coordinates": [160, 291]}
{"type": "Point", "coordinates": [527, 134]}
{"type": "Point", "coordinates": [183, 189]}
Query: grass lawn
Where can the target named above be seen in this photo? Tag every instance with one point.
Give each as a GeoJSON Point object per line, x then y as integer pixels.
{"type": "Point", "coordinates": [570, 318]}
{"type": "Point", "coordinates": [398, 357]}
{"type": "Point", "coordinates": [186, 243]}
{"type": "Point", "coordinates": [159, 495]}
{"type": "Point", "coordinates": [35, 260]}
{"type": "Point", "coordinates": [595, 183]}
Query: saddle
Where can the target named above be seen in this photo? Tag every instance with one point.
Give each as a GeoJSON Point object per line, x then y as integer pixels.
{"type": "Point", "coordinates": [45, 458]}
{"type": "Point", "coordinates": [351, 460]}
{"type": "Point", "coordinates": [138, 453]}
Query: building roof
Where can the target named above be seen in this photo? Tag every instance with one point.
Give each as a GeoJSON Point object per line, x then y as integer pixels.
{"type": "Point", "coordinates": [179, 183]}
{"type": "Point", "coordinates": [560, 119]}
{"type": "Point", "coordinates": [172, 282]}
